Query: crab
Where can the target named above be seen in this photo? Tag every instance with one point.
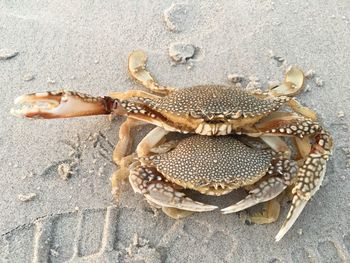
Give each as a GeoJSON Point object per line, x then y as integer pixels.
{"type": "Point", "coordinates": [210, 110]}
{"type": "Point", "coordinates": [211, 166]}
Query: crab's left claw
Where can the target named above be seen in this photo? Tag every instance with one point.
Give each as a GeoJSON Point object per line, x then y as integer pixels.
{"type": "Point", "coordinates": [156, 190]}
{"type": "Point", "coordinates": [281, 171]}
{"type": "Point", "coordinates": [266, 191]}
{"type": "Point", "coordinates": [61, 104]}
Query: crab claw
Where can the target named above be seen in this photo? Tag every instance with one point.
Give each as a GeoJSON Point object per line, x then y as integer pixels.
{"type": "Point", "coordinates": [61, 104]}
{"type": "Point", "coordinates": [144, 181]}
{"type": "Point", "coordinates": [304, 189]}
{"type": "Point", "coordinates": [266, 191]}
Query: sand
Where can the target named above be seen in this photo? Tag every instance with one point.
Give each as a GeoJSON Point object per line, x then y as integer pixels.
{"type": "Point", "coordinates": [55, 200]}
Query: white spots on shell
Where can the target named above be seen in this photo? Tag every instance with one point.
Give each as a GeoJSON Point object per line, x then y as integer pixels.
{"type": "Point", "coordinates": [213, 160]}
{"type": "Point", "coordinates": [212, 101]}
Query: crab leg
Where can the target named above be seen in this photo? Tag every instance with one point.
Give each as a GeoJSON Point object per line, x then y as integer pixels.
{"type": "Point", "coordinates": [120, 154]}
{"type": "Point", "coordinates": [306, 112]}
{"type": "Point", "coordinates": [151, 140]}
{"type": "Point", "coordinates": [292, 85]}
{"type": "Point", "coordinates": [144, 180]}
{"type": "Point", "coordinates": [312, 171]}
{"type": "Point", "coordinates": [270, 213]}
{"type": "Point", "coordinates": [124, 145]}
{"type": "Point", "coordinates": [137, 70]}
{"type": "Point", "coordinates": [64, 104]}
{"type": "Point", "coordinates": [277, 144]}
{"type": "Point", "coordinates": [282, 172]}
{"type": "Point", "coordinates": [125, 139]}
{"type": "Point", "coordinates": [130, 94]}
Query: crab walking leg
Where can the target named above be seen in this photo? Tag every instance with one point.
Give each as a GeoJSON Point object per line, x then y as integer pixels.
{"type": "Point", "coordinates": [277, 144]}
{"type": "Point", "coordinates": [120, 175]}
{"type": "Point", "coordinates": [151, 140]}
{"type": "Point", "coordinates": [311, 173]}
{"type": "Point", "coordinates": [306, 112]}
{"type": "Point", "coordinates": [270, 213]}
{"type": "Point", "coordinates": [137, 70]}
{"type": "Point", "coordinates": [292, 85]}
{"type": "Point", "coordinates": [303, 191]}
{"type": "Point", "coordinates": [282, 172]}
{"type": "Point", "coordinates": [176, 213]}
{"type": "Point", "coordinates": [303, 147]}
{"type": "Point", "coordinates": [120, 154]}
{"type": "Point", "coordinates": [124, 145]}
{"type": "Point", "coordinates": [125, 139]}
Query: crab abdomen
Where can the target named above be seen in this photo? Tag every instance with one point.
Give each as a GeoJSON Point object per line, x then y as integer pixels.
{"type": "Point", "coordinates": [212, 165]}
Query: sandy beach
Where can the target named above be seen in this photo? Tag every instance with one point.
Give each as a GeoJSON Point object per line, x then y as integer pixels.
{"type": "Point", "coordinates": [84, 46]}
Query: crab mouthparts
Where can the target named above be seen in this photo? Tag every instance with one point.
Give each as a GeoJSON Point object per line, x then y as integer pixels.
{"type": "Point", "coordinates": [63, 104]}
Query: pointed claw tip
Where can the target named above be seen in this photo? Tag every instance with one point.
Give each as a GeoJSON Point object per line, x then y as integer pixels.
{"type": "Point", "coordinates": [278, 238]}
{"type": "Point", "coordinates": [281, 233]}
{"type": "Point", "coordinates": [19, 99]}
{"type": "Point", "coordinates": [228, 210]}
{"type": "Point", "coordinates": [212, 207]}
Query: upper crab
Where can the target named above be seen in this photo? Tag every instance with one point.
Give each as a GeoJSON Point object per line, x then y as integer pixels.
{"type": "Point", "coordinates": [205, 109]}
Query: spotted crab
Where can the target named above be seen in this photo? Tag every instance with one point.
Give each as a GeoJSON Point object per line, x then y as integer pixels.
{"type": "Point", "coordinates": [210, 110]}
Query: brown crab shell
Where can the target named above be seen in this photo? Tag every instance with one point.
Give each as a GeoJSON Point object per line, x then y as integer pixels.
{"type": "Point", "coordinates": [208, 109]}
{"type": "Point", "coordinates": [212, 165]}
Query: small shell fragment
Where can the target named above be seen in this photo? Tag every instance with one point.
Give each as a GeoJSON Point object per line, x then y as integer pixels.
{"type": "Point", "coordinates": [181, 52]}
{"type": "Point", "coordinates": [28, 77]}
{"type": "Point", "coordinates": [26, 197]}
{"type": "Point", "coordinates": [319, 82]}
{"type": "Point", "coordinates": [64, 171]}
{"type": "Point", "coordinates": [340, 114]}
{"type": "Point", "coordinates": [174, 17]}
{"type": "Point", "coordinates": [310, 74]}
{"type": "Point", "coordinates": [235, 78]}
{"type": "Point", "coordinates": [6, 53]}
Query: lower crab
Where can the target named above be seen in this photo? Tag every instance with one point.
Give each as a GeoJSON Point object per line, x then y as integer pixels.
{"type": "Point", "coordinates": [211, 166]}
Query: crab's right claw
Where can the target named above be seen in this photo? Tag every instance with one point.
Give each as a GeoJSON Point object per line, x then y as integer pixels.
{"type": "Point", "coordinates": [61, 104]}
{"type": "Point", "coordinates": [310, 177]}
{"type": "Point", "coordinates": [266, 191]}
{"type": "Point", "coordinates": [144, 181]}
